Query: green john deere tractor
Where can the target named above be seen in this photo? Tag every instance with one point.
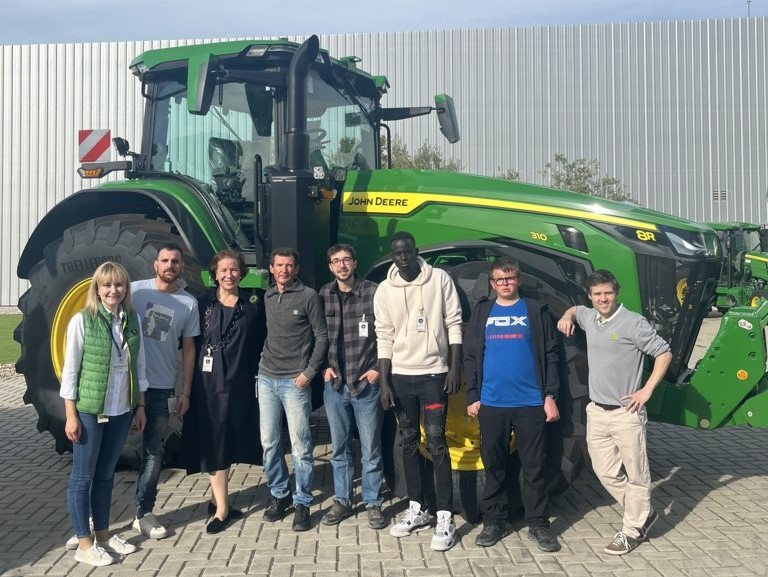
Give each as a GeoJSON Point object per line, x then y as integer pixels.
{"type": "Point", "coordinates": [744, 276]}
{"type": "Point", "coordinates": [258, 144]}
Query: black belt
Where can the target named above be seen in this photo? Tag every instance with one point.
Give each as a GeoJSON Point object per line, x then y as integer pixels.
{"type": "Point", "coordinates": [607, 407]}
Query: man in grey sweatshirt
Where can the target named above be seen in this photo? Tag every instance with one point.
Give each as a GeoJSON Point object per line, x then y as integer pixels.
{"type": "Point", "coordinates": [295, 349]}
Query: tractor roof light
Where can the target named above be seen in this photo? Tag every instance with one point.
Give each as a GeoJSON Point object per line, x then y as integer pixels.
{"type": "Point", "coordinates": [257, 51]}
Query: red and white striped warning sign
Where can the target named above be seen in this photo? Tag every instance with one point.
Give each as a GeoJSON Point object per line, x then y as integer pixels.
{"type": "Point", "coordinates": [94, 145]}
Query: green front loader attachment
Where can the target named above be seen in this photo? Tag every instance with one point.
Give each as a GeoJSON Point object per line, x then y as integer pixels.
{"type": "Point", "coordinates": [728, 386]}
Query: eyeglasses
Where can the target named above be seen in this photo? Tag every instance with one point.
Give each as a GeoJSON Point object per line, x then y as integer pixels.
{"type": "Point", "coordinates": [339, 261]}
{"type": "Point", "coordinates": [505, 280]}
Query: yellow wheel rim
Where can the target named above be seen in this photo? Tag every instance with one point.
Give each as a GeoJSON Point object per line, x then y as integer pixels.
{"type": "Point", "coordinates": [680, 288]}
{"type": "Point", "coordinates": [70, 305]}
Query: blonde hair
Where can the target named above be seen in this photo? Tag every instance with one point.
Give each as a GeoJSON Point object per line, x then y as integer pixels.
{"type": "Point", "coordinates": [108, 272]}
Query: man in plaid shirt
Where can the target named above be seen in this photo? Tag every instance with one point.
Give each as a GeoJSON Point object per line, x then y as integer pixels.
{"type": "Point", "coordinates": [352, 386]}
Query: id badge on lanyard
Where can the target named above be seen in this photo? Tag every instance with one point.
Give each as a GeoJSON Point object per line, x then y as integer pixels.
{"type": "Point", "coordinates": [208, 361]}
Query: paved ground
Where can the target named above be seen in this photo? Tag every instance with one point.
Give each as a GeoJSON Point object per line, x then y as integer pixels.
{"type": "Point", "coordinates": [710, 488]}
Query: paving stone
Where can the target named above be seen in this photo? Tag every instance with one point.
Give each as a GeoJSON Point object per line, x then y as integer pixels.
{"type": "Point", "coordinates": [709, 489]}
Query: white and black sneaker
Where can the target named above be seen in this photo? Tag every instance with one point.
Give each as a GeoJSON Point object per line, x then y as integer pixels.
{"type": "Point", "coordinates": [445, 532]}
{"type": "Point", "coordinates": [414, 519]}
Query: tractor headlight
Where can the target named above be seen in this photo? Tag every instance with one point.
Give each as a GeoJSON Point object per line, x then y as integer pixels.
{"type": "Point", "coordinates": [693, 243]}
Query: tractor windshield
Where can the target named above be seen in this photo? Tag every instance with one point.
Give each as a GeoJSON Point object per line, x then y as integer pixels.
{"type": "Point", "coordinates": [233, 148]}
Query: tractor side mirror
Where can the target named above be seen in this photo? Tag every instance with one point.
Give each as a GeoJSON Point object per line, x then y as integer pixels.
{"type": "Point", "coordinates": [201, 83]}
{"type": "Point", "coordinates": [446, 115]}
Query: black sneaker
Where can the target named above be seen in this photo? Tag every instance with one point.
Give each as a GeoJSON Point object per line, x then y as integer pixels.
{"type": "Point", "coordinates": [490, 535]}
{"type": "Point", "coordinates": [337, 513]}
{"type": "Point", "coordinates": [301, 518]}
{"type": "Point", "coordinates": [376, 519]}
{"type": "Point", "coordinates": [543, 538]}
{"type": "Point", "coordinates": [277, 508]}
{"type": "Point", "coordinates": [653, 516]}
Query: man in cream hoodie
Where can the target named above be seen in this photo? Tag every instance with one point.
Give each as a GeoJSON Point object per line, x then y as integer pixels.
{"type": "Point", "coordinates": [418, 333]}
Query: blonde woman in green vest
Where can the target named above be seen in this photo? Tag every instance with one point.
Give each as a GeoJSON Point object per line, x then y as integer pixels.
{"type": "Point", "coordinates": [102, 384]}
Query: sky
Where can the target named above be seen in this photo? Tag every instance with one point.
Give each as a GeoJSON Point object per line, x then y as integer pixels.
{"type": "Point", "coordinates": [65, 21]}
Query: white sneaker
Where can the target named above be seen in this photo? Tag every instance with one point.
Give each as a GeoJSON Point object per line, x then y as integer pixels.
{"type": "Point", "coordinates": [414, 520]}
{"type": "Point", "coordinates": [117, 545]}
{"type": "Point", "coordinates": [73, 542]}
{"type": "Point", "coordinates": [445, 532]}
{"type": "Point", "coordinates": [95, 556]}
{"type": "Point", "coordinates": [150, 527]}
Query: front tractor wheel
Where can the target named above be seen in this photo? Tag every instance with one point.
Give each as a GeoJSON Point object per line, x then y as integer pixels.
{"type": "Point", "coordinates": [59, 285]}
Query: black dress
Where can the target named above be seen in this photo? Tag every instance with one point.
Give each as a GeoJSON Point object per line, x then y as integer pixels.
{"type": "Point", "coordinates": [222, 424]}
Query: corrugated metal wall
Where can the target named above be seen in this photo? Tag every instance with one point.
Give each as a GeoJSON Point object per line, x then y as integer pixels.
{"type": "Point", "coordinates": [678, 111]}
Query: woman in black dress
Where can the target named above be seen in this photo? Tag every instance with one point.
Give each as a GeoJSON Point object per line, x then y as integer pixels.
{"type": "Point", "coordinates": [222, 424]}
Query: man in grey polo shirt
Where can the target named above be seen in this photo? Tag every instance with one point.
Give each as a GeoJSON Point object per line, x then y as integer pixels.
{"type": "Point", "coordinates": [617, 341]}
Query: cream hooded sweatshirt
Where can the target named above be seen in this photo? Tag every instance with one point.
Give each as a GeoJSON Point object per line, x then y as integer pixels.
{"type": "Point", "coordinates": [401, 307]}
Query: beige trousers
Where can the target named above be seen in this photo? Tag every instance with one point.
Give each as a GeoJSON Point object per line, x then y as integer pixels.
{"type": "Point", "coordinates": [617, 446]}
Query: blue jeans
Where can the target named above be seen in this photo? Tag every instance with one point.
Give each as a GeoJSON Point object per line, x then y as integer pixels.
{"type": "Point", "coordinates": [278, 395]}
{"type": "Point", "coordinates": [153, 446]}
{"type": "Point", "coordinates": [343, 410]}
{"type": "Point", "coordinates": [94, 460]}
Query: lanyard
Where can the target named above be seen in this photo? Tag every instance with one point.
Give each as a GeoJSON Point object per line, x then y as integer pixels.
{"type": "Point", "coordinates": [108, 324]}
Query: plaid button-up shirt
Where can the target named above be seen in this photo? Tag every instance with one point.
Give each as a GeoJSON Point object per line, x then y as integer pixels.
{"type": "Point", "coordinates": [359, 351]}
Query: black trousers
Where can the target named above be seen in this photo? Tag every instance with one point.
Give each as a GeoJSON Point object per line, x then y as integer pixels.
{"type": "Point", "coordinates": [496, 425]}
{"type": "Point", "coordinates": [417, 395]}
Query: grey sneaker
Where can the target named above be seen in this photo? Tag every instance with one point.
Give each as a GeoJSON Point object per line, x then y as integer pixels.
{"type": "Point", "coordinates": [150, 527]}
{"type": "Point", "coordinates": [95, 556]}
{"type": "Point", "coordinates": [490, 535]}
{"type": "Point", "coordinates": [117, 546]}
{"type": "Point", "coordinates": [337, 513]}
{"type": "Point", "coordinates": [376, 519]}
{"type": "Point", "coordinates": [621, 544]}
{"type": "Point", "coordinates": [543, 538]}
{"type": "Point", "coordinates": [414, 520]}
{"type": "Point", "coordinates": [445, 532]}
{"type": "Point", "coordinates": [301, 518]}
{"type": "Point", "coordinates": [277, 508]}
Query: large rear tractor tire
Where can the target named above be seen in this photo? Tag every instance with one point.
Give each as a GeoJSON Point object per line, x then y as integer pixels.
{"type": "Point", "coordinates": [59, 285]}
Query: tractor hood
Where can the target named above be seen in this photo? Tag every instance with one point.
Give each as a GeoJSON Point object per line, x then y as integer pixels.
{"type": "Point", "coordinates": [406, 191]}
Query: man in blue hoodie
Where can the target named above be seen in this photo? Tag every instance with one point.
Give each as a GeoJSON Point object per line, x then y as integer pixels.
{"type": "Point", "coordinates": [418, 334]}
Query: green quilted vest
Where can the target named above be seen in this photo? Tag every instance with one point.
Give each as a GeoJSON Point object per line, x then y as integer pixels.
{"type": "Point", "coordinates": [97, 356]}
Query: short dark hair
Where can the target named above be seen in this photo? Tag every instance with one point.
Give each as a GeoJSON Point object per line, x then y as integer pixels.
{"type": "Point", "coordinates": [171, 246]}
{"type": "Point", "coordinates": [227, 253]}
{"type": "Point", "coordinates": [506, 264]}
{"type": "Point", "coordinates": [401, 235]}
{"type": "Point", "coordinates": [338, 248]}
{"type": "Point", "coordinates": [602, 276]}
{"type": "Point", "coordinates": [284, 251]}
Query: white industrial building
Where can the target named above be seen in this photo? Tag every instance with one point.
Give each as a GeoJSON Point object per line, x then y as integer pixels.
{"type": "Point", "coordinates": [678, 111]}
